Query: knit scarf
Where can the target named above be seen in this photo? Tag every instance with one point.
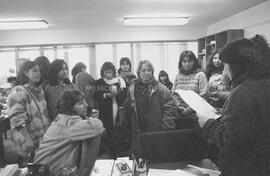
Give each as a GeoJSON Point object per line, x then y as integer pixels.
{"type": "Point", "coordinates": [112, 83]}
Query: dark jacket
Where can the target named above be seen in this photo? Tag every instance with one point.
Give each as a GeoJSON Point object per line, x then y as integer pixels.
{"type": "Point", "coordinates": [161, 112]}
{"type": "Point", "coordinates": [242, 134]}
{"type": "Point", "coordinates": [105, 104]}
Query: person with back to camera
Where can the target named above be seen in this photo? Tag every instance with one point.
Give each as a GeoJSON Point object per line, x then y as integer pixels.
{"type": "Point", "coordinates": [242, 133]}
{"type": "Point", "coordinates": [163, 78]}
{"type": "Point", "coordinates": [58, 83]}
{"type": "Point", "coordinates": [27, 110]}
{"type": "Point", "coordinates": [85, 83]}
{"type": "Point", "coordinates": [62, 145]}
{"type": "Point", "coordinates": [78, 68]}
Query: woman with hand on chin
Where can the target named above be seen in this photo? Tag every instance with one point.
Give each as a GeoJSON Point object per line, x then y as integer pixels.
{"type": "Point", "coordinates": [242, 134]}
{"type": "Point", "coordinates": [27, 109]}
{"type": "Point", "coordinates": [63, 145]}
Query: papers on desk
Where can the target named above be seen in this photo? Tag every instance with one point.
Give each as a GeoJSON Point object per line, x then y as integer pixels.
{"type": "Point", "coordinates": [197, 103]}
{"type": "Point", "coordinates": [107, 167]}
{"type": "Point", "coordinates": [164, 172]}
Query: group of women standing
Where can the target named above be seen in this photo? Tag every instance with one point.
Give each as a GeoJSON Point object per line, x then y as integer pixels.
{"type": "Point", "coordinates": [129, 106]}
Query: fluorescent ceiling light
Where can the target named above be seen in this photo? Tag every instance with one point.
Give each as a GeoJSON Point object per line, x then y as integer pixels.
{"type": "Point", "coordinates": [155, 21]}
{"type": "Point", "coordinates": [23, 24]}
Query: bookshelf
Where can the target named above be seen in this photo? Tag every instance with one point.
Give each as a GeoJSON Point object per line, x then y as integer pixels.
{"type": "Point", "coordinates": [210, 43]}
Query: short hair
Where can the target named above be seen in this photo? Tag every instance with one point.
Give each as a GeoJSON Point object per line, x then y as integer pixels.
{"type": "Point", "coordinates": [77, 69]}
{"type": "Point", "coordinates": [249, 57]}
{"type": "Point", "coordinates": [189, 54]}
{"type": "Point", "coordinates": [54, 68]}
{"type": "Point", "coordinates": [148, 63]}
{"type": "Point", "coordinates": [107, 66]}
{"type": "Point", "coordinates": [68, 100]}
{"type": "Point", "coordinates": [210, 68]}
{"type": "Point", "coordinates": [26, 66]}
{"type": "Point", "coordinates": [43, 63]}
{"type": "Point", "coordinates": [122, 62]}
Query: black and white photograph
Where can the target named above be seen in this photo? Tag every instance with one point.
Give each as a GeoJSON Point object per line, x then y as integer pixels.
{"type": "Point", "coordinates": [134, 88]}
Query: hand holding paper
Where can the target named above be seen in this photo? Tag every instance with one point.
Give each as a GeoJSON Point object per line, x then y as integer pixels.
{"type": "Point", "coordinates": [204, 110]}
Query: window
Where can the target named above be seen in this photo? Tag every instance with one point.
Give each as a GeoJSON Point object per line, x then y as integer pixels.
{"type": "Point", "coordinates": [173, 52]}
{"type": "Point", "coordinates": [154, 52]}
{"type": "Point", "coordinates": [76, 55]}
{"type": "Point", "coordinates": [29, 53]}
{"type": "Point", "coordinates": [163, 55]}
{"type": "Point", "coordinates": [103, 53]}
{"type": "Point", "coordinates": [123, 50]}
{"type": "Point", "coordinates": [49, 53]}
{"type": "Point", "coordinates": [7, 67]}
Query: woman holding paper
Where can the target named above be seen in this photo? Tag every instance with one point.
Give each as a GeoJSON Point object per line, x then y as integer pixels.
{"type": "Point", "coordinates": [242, 134]}
{"type": "Point", "coordinates": [190, 77]}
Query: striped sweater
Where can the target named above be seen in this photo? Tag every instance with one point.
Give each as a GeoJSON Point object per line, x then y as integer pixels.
{"type": "Point", "coordinates": [194, 81]}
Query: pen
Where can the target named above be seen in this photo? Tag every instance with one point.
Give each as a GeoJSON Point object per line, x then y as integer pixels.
{"type": "Point", "coordinates": [204, 169]}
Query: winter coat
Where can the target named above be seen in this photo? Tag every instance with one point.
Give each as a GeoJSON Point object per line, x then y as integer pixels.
{"type": "Point", "coordinates": [61, 144]}
{"type": "Point", "coordinates": [161, 110]}
{"type": "Point", "coordinates": [242, 134]}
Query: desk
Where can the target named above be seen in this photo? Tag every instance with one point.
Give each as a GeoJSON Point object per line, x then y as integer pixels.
{"type": "Point", "coordinates": [4, 126]}
{"type": "Point", "coordinates": [205, 163]}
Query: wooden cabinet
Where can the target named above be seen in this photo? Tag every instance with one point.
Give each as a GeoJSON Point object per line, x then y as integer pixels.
{"type": "Point", "coordinates": [209, 44]}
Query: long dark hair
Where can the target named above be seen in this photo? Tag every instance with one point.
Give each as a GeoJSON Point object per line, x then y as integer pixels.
{"type": "Point", "coordinates": [68, 100]}
{"type": "Point", "coordinates": [163, 73]}
{"type": "Point", "coordinates": [54, 68]}
{"type": "Point", "coordinates": [247, 57]}
{"type": "Point", "coordinates": [44, 64]}
{"type": "Point", "coordinates": [26, 66]}
{"type": "Point", "coordinates": [124, 60]}
{"type": "Point", "coordinates": [190, 55]}
{"type": "Point", "coordinates": [211, 68]}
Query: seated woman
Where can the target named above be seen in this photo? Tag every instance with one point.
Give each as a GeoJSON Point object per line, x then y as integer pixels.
{"type": "Point", "coordinates": [149, 103]}
{"type": "Point", "coordinates": [242, 133]}
{"type": "Point", "coordinates": [61, 146]}
{"type": "Point", "coordinates": [27, 109]}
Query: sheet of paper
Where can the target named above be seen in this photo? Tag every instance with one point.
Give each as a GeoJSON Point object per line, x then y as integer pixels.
{"type": "Point", "coordinates": [104, 167]}
{"type": "Point", "coordinates": [164, 172]}
{"type": "Point", "coordinates": [197, 103]}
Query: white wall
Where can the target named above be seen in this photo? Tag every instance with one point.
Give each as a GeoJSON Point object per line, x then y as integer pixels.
{"type": "Point", "coordinates": [106, 35]}
{"type": "Point", "coordinates": [255, 20]}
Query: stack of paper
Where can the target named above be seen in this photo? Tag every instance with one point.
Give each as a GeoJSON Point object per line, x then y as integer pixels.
{"type": "Point", "coordinates": [107, 167]}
